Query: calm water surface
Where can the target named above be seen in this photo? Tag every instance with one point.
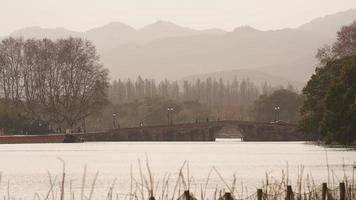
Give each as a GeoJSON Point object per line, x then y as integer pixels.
{"type": "Point", "coordinates": [26, 166]}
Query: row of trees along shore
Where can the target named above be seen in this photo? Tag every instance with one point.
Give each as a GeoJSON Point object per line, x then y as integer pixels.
{"type": "Point", "coordinates": [146, 101]}
{"type": "Point", "coordinates": [216, 94]}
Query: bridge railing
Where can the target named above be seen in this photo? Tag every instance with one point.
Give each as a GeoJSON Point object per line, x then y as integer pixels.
{"type": "Point", "coordinates": [209, 123]}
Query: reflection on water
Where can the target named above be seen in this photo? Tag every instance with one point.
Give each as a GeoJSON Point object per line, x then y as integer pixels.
{"type": "Point", "coordinates": [27, 165]}
{"type": "Point", "coordinates": [228, 140]}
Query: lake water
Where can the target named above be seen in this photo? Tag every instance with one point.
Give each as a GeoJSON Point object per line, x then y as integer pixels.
{"type": "Point", "coordinates": [25, 167]}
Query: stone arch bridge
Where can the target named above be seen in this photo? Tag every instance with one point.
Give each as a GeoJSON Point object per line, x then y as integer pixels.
{"type": "Point", "coordinates": [209, 131]}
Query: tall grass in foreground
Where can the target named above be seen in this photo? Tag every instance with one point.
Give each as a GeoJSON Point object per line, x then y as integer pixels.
{"type": "Point", "coordinates": [184, 187]}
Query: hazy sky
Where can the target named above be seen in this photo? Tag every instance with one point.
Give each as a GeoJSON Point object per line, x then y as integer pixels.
{"type": "Point", "coordinates": [81, 15]}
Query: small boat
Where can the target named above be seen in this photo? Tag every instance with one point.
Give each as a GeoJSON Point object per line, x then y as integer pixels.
{"type": "Point", "coordinates": [69, 138]}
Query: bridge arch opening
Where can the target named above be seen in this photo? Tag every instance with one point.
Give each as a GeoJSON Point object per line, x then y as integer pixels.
{"type": "Point", "coordinates": [229, 133]}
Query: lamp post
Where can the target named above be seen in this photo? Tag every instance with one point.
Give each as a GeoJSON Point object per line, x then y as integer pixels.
{"type": "Point", "coordinates": [276, 110]}
{"type": "Point", "coordinates": [114, 120]}
{"type": "Point", "coordinates": [170, 115]}
{"type": "Point", "coordinates": [84, 126]}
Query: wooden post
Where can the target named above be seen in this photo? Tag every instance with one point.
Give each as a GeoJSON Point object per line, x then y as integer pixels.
{"type": "Point", "coordinates": [324, 191]}
{"type": "Point", "coordinates": [259, 194]}
{"type": "Point", "coordinates": [289, 193]}
{"type": "Point", "coordinates": [342, 191]}
{"type": "Point", "coordinates": [187, 195]}
{"type": "Point", "coordinates": [227, 196]}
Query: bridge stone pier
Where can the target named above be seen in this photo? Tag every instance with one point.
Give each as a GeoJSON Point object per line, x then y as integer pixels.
{"type": "Point", "coordinates": [209, 131]}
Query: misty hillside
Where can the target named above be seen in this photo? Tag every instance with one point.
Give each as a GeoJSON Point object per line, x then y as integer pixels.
{"type": "Point", "coordinates": [330, 24]}
{"type": "Point", "coordinates": [245, 47]}
{"type": "Point", "coordinates": [166, 50]}
{"type": "Point", "coordinates": [38, 32]}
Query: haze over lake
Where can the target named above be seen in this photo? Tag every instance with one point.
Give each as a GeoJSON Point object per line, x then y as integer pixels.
{"type": "Point", "coordinates": [26, 165]}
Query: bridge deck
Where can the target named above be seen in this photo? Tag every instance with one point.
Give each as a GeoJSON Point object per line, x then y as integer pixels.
{"type": "Point", "coordinates": [208, 131]}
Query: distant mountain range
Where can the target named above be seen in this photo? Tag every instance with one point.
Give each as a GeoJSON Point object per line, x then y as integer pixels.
{"type": "Point", "coordinates": [166, 50]}
{"type": "Point", "coordinates": [115, 34]}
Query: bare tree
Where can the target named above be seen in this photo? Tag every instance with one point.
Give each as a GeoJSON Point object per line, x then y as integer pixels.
{"type": "Point", "coordinates": [83, 81]}
{"type": "Point", "coordinates": [10, 68]}
{"type": "Point", "coordinates": [60, 82]}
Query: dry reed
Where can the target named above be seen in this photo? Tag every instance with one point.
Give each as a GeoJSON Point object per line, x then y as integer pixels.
{"type": "Point", "coordinates": [146, 187]}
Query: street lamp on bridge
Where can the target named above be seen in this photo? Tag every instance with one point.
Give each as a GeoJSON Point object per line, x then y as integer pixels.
{"type": "Point", "coordinates": [276, 110]}
{"type": "Point", "coordinates": [170, 115]}
{"type": "Point", "coordinates": [114, 121]}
